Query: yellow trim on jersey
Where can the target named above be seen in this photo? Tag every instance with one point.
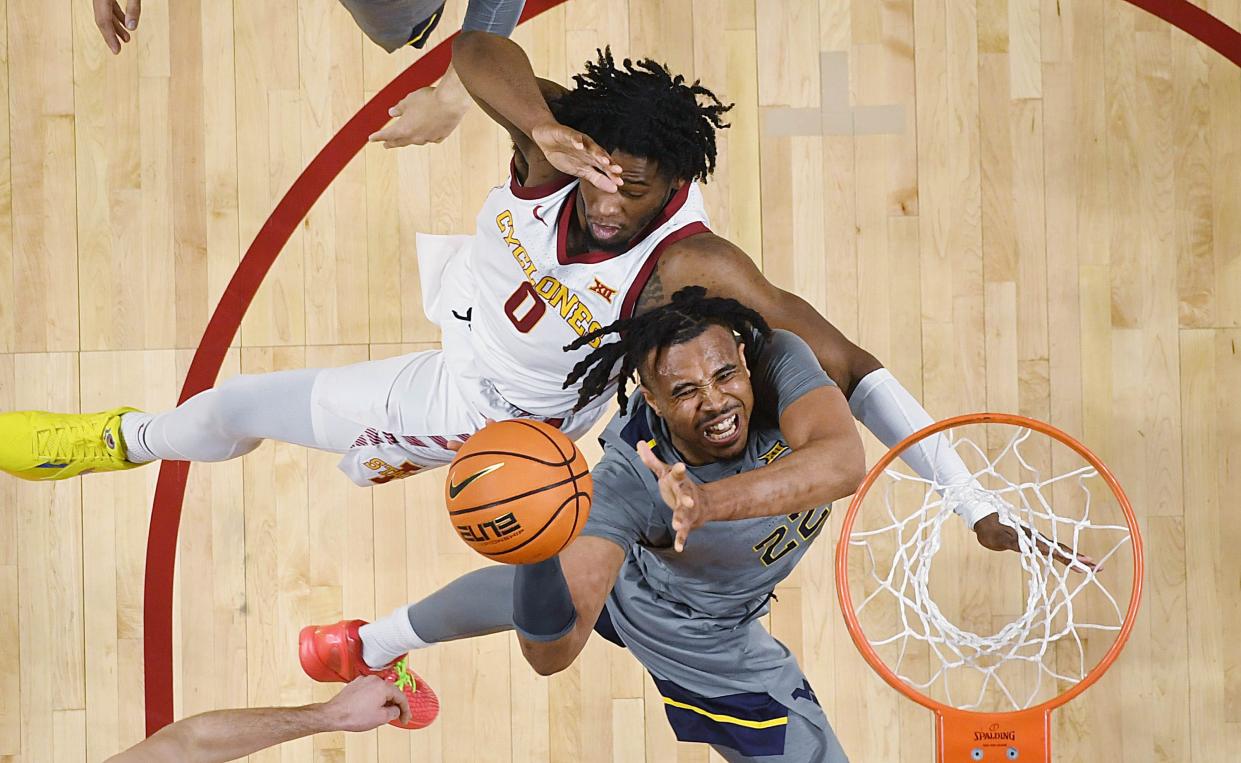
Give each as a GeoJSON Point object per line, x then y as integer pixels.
{"type": "Point", "coordinates": [426, 27]}
{"type": "Point", "coordinates": [719, 718]}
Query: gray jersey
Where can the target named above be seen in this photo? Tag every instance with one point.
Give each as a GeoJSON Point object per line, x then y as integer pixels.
{"type": "Point", "coordinates": [392, 24]}
{"type": "Point", "coordinates": [690, 616]}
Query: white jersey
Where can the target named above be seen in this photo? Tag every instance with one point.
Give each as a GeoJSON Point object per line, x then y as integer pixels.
{"type": "Point", "coordinates": [529, 300]}
{"type": "Point", "coordinates": [508, 301]}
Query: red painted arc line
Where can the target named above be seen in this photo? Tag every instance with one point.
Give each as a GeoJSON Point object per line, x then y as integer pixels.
{"type": "Point", "coordinates": [225, 321]}
{"type": "Point", "coordinates": [161, 555]}
{"type": "Point", "coordinates": [1197, 23]}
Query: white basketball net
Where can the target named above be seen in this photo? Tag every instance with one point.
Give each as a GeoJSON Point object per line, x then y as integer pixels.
{"type": "Point", "coordinates": [1025, 658]}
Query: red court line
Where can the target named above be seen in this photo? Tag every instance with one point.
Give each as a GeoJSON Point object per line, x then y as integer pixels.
{"type": "Point", "coordinates": [161, 555]}
{"type": "Point", "coordinates": [1197, 23]}
{"type": "Point", "coordinates": [170, 490]}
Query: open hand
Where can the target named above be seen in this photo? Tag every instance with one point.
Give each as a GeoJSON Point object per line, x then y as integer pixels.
{"type": "Point", "coordinates": [115, 24]}
{"type": "Point", "coordinates": [997, 535]}
{"type": "Point", "coordinates": [419, 118]}
{"type": "Point", "coordinates": [574, 153]}
{"type": "Point", "coordinates": [687, 499]}
{"type": "Point", "coordinates": [368, 702]}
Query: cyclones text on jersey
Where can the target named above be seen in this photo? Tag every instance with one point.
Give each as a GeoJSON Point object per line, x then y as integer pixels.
{"type": "Point", "coordinates": [572, 309]}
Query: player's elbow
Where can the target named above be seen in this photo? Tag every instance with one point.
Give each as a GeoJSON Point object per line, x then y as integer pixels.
{"type": "Point", "coordinates": [549, 668]}
{"type": "Point", "coordinates": [546, 662]}
{"type": "Point", "coordinates": [846, 462]}
{"type": "Point", "coordinates": [853, 471]}
{"type": "Point", "coordinates": [467, 42]}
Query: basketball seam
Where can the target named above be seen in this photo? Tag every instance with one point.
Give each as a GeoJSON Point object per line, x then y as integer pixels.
{"type": "Point", "coordinates": [576, 490]}
{"type": "Point", "coordinates": [577, 517]}
{"type": "Point", "coordinates": [541, 530]}
{"type": "Point", "coordinates": [493, 504]}
{"type": "Point", "coordinates": [515, 454]}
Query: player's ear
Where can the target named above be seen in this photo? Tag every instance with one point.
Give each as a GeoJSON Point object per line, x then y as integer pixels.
{"type": "Point", "coordinates": [741, 353]}
{"type": "Point", "coordinates": [650, 400]}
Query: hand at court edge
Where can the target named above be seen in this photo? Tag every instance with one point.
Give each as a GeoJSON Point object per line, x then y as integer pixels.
{"type": "Point", "coordinates": [115, 24]}
{"type": "Point", "coordinates": [687, 499]}
{"type": "Point", "coordinates": [419, 118]}
{"type": "Point", "coordinates": [998, 536]}
{"type": "Point", "coordinates": [368, 702]}
{"type": "Point", "coordinates": [574, 153]}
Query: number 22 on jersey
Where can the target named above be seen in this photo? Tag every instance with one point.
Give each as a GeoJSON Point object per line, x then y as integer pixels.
{"type": "Point", "coordinates": [787, 537]}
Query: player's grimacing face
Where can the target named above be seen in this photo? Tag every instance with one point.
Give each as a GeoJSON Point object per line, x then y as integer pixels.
{"type": "Point", "coordinates": [701, 389]}
{"type": "Point", "coordinates": [612, 220]}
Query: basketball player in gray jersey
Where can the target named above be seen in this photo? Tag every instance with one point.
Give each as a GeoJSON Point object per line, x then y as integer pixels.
{"type": "Point", "coordinates": [687, 606]}
{"type": "Point", "coordinates": [690, 615]}
{"type": "Point", "coordinates": [744, 444]}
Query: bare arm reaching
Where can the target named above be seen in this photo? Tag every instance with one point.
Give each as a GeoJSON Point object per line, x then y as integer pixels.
{"type": "Point", "coordinates": [497, 74]}
{"type": "Point", "coordinates": [223, 735]}
{"type": "Point", "coordinates": [875, 397]}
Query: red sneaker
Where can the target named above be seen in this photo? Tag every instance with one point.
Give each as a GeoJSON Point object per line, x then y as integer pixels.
{"type": "Point", "coordinates": [333, 653]}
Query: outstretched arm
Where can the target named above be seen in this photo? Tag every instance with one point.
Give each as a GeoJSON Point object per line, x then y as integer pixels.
{"type": "Point", "coordinates": [876, 398]}
{"type": "Point", "coordinates": [223, 735]}
{"type": "Point", "coordinates": [497, 74]}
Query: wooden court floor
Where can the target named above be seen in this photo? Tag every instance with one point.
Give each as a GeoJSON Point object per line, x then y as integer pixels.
{"type": "Point", "coordinates": [1019, 205]}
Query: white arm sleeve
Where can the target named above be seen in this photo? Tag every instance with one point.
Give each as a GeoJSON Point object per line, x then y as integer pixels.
{"type": "Point", "coordinates": [892, 414]}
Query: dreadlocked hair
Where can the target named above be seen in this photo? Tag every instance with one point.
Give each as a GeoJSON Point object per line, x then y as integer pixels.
{"type": "Point", "coordinates": [689, 314]}
{"type": "Point", "coordinates": [642, 109]}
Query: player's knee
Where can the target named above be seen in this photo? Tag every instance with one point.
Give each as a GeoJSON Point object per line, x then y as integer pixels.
{"type": "Point", "coordinates": [229, 405]}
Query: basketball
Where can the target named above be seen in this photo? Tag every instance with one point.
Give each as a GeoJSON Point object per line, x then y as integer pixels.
{"type": "Point", "coordinates": [518, 491]}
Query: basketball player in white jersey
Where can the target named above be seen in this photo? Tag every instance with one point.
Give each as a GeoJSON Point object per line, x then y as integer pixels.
{"type": "Point", "coordinates": [552, 258]}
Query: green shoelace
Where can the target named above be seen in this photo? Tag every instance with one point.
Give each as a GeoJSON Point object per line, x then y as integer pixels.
{"type": "Point", "coordinates": [404, 679]}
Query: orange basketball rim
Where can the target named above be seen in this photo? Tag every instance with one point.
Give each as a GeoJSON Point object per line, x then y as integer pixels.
{"type": "Point", "coordinates": [1024, 733]}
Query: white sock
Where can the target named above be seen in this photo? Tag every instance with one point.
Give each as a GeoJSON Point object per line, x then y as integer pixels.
{"type": "Point", "coordinates": [892, 414]}
{"type": "Point", "coordinates": [133, 431]}
{"type": "Point", "coordinates": [385, 640]}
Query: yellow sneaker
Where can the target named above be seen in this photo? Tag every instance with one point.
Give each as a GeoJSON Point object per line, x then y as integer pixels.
{"type": "Point", "coordinates": [37, 445]}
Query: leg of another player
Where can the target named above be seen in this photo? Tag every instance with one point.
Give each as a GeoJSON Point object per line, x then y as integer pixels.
{"type": "Point", "coordinates": [218, 424]}
{"type": "Point", "coordinates": [478, 603]}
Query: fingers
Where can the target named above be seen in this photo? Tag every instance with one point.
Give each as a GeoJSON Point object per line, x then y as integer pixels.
{"type": "Point", "coordinates": [651, 461]}
{"type": "Point", "coordinates": [118, 22]}
{"type": "Point", "coordinates": [390, 136]}
{"type": "Point", "coordinates": [398, 701]}
{"type": "Point", "coordinates": [108, 32]}
{"type": "Point", "coordinates": [133, 9]}
{"type": "Point", "coordinates": [1076, 562]}
{"type": "Point", "coordinates": [682, 523]}
{"type": "Point", "coordinates": [1062, 553]}
{"type": "Point", "coordinates": [600, 180]}
{"type": "Point", "coordinates": [599, 158]}
{"type": "Point", "coordinates": [110, 20]}
{"type": "Point", "coordinates": [587, 160]}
